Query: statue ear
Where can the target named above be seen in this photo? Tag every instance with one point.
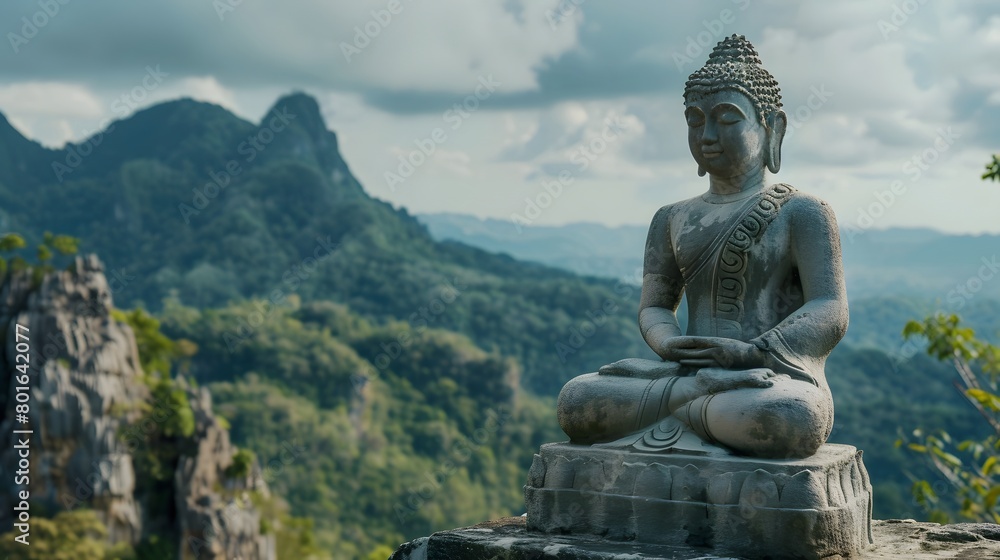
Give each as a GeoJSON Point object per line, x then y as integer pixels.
{"type": "Point", "coordinates": [777, 122]}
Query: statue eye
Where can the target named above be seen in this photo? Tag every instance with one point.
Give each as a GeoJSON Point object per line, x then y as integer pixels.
{"type": "Point", "coordinates": [695, 118]}
{"type": "Point", "coordinates": [730, 117]}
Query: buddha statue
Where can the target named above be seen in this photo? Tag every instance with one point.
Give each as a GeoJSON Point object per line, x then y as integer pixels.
{"type": "Point", "coordinates": [760, 266]}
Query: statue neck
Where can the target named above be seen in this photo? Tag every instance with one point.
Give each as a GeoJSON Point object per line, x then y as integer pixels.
{"type": "Point", "coordinates": [751, 180]}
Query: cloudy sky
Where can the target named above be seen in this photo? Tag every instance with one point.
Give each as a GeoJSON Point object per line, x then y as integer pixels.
{"type": "Point", "coordinates": [552, 111]}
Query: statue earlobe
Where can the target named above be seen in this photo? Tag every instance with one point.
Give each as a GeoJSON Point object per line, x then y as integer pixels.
{"type": "Point", "coordinates": [701, 171]}
{"type": "Point", "coordinates": [777, 123]}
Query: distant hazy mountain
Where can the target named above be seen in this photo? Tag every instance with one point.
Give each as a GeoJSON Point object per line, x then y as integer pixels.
{"type": "Point", "coordinates": [920, 263]}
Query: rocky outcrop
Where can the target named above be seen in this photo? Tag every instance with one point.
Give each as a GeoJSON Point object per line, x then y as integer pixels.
{"type": "Point", "coordinates": [87, 397]}
{"type": "Point", "coordinates": [216, 515]}
{"type": "Point", "coordinates": [509, 539]}
{"type": "Point", "coordinates": [85, 388]}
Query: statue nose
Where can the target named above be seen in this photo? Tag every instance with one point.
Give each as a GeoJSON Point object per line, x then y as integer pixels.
{"type": "Point", "coordinates": [708, 135]}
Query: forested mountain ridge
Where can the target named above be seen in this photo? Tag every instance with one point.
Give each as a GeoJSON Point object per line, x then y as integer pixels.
{"type": "Point", "coordinates": [186, 199]}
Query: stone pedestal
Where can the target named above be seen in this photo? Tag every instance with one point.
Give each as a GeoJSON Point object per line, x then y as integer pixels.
{"type": "Point", "coordinates": [804, 508]}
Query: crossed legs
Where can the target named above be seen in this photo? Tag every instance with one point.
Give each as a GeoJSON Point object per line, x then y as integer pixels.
{"type": "Point", "coordinates": [752, 412]}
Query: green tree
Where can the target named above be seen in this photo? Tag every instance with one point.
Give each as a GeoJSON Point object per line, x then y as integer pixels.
{"type": "Point", "coordinates": [977, 364]}
{"type": "Point", "coordinates": [380, 553]}
{"type": "Point", "coordinates": [44, 254]}
{"type": "Point", "coordinates": [11, 242]}
{"type": "Point", "coordinates": [8, 243]}
{"type": "Point", "coordinates": [70, 535]}
{"type": "Point", "coordinates": [242, 461]}
{"type": "Point", "coordinates": [63, 244]}
{"type": "Point", "coordinates": [156, 351]}
{"type": "Point", "coordinates": [992, 170]}
{"type": "Point", "coordinates": [970, 466]}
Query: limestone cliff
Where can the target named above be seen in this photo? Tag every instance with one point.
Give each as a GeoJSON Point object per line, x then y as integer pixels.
{"type": "Point", "coordinates": [87, 397]}
{"type": "Point", "coordinates": [216, 516]}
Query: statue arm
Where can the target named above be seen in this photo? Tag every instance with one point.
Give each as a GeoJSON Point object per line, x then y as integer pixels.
{"type": "Point", "coordinates": [662, 286]}
{"type": "Point", "coordinates": [802, 341]}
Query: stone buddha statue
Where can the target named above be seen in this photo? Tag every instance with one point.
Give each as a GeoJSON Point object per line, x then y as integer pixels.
{"type": "Point", "coordinates": [760, 265]}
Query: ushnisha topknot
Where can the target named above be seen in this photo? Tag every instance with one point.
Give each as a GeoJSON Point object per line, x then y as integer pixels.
{"type": "Point", "coordinates": [734, 64]}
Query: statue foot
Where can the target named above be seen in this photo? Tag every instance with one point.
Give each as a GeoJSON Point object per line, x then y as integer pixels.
{"type": "Point", "coordinates": [718, 380]}
{"type": "Point", "coordinates": [640, 368]}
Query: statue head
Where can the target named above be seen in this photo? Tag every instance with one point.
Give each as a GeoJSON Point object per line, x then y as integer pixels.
{"type": "Point", "coordinates": [733, 111]}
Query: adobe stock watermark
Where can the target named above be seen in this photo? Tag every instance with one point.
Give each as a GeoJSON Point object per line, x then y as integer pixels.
{"type": "Point", "coordinates": [458, 455]}
{"type": "Point", "coordinates": [706, 39]}
{"type": "Point", "coordinates": [956, 299]}
{"type": "Point", "coordinates": [220, 179]}
{"type": "Point", "coordinates": [563, 11]}
{"type": "Point", "coordinates": [595, 319]}
{"type": "Point", "coordinates": [121, 106]}
{"type": "Point", "coordinates": [290, 281]}
{"type": "Point", "coordinates": [366, 33]}
{"type": "Point", "coordinates": [225, 7]}
{"type": "Point", "coordinates": [98, 481]}
{"type": "Point", "coordinates": [818, 97]}
{"type": "Point", "coordinates": [32, 25]}
{"type": "Point", "coordinates": [55, 345]}
{"type": "Point", "coordinates": [455, 116]}
{"type": "Point", "coordinates": [901, 13]}
{"type": "Point", "coordinates": [963, 293]}
{"type": "Point", "coordinates": [235, 513]}
{"type": "Point", "coordinates": [914, 168]}
{"type": "Point", "coordinates": [581, 156]}
{"type": "Point", "coordinates": [420, 320]}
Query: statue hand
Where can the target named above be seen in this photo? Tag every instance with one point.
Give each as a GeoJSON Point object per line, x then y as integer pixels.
{"type": "Point", "coordinates": [640, 368]}
{"type": "Point", "coordinates": [712, 352]}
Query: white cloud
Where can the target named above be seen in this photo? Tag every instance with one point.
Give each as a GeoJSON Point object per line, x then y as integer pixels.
{"type": "Point", "coordinates": [48, 99]}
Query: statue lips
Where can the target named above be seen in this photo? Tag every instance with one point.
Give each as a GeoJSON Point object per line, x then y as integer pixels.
{"type": "Point", "coordinates": [711, 153]}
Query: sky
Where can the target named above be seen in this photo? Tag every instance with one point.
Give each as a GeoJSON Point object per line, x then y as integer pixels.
{"type": "Point", "coordinates": [547, 111]}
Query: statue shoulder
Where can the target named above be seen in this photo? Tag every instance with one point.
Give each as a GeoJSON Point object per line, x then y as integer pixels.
{"type": "Point", "coordinates": [805, 204]}
{"type": "Point", "coordinates": [809, 210]}
{"type": "Point", "coordinates": [660, 224]}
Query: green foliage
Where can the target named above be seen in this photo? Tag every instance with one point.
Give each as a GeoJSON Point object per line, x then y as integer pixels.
{"type": "Point", "coordinates": [992, 170]}
{"type": "Point", "coordinates": [18, 264]}
{"type": "Point", "coordinates": [381, 552]}
{"type": "Point", "coordinates": [365, 438]}
{"type": "Point", "coordinates": [295, 538]}
{"type": "Point", "coordinates": [70, 535]}
{"type": "Point", "coordinates": [44, 254]}
{"type": "Point", "coordinates": [169, 396]}
{"type": "Point", "coordinates": [155, 547]}
{"type": "Point", "coordinates": [242, 462]}
{"type": "Point", "coordinates": [11, 242]}
{"type": "Point", "coordinates": [63, 244]}
{"type": "Point", "coordinates": [971, 466]}
{"type": "Point", "coordinates": [156, 351]}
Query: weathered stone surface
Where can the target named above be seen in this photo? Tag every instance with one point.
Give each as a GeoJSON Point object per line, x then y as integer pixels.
{"type": "Point", "coordinates": [805, 508]}
{"type": "Point", "coordinates": [85, 388]}
{"type": "Point", "coordinates": [509, 539]}
{"type": "Point", "coordinates": [217, 518]}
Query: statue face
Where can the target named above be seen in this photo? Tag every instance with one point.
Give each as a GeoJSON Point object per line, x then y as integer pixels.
{"type": "Point", "coordinates": [724, 134]}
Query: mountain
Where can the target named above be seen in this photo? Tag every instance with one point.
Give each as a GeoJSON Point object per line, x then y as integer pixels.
{"type": "Point", "coordinates": [185, 199]}
{"type": "Point", "coordinates": [910, 262]}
